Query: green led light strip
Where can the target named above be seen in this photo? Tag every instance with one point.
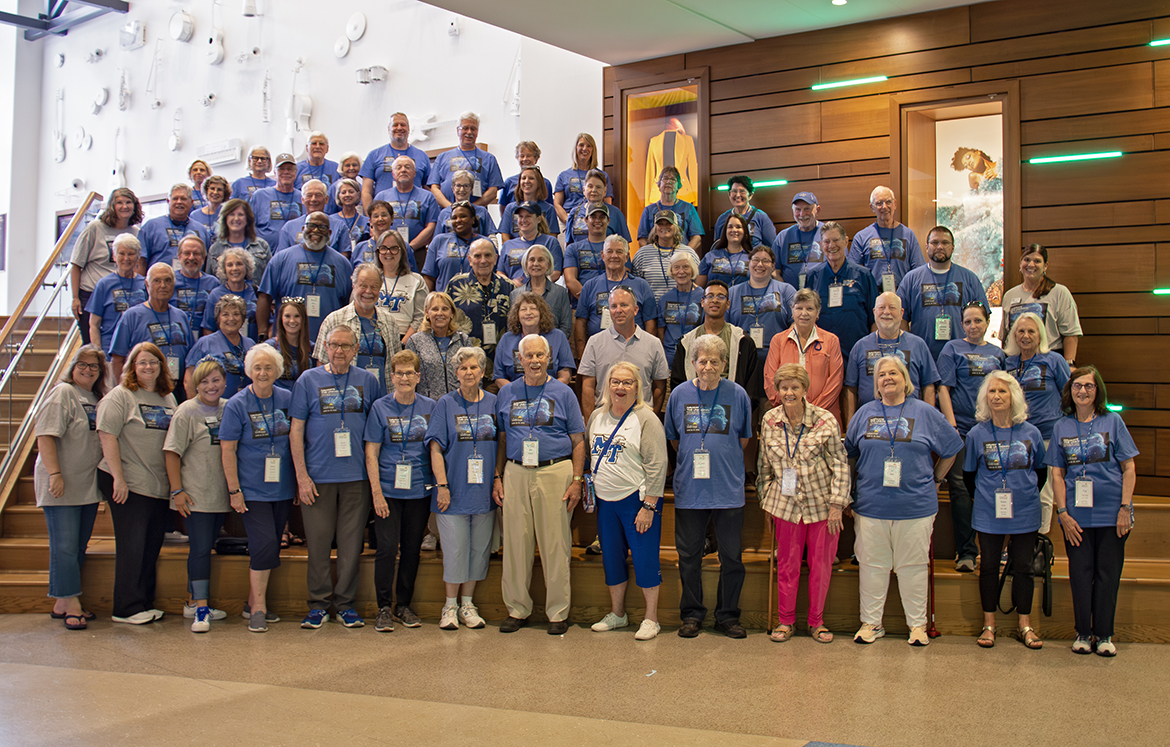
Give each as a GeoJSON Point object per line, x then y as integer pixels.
{"type": "Point", "coordinates": [1076, 157]}
{"type": "Point", "coordinates": [757, 185]}
{"type": "Point", "coordinates": [1113, 408]}
{"type": "Point", "coordinates": [855, 82]}
{"type": "Point", "coordinates": [1162, 291]}
{"type": "Point", "coordinates": [1159, 42]}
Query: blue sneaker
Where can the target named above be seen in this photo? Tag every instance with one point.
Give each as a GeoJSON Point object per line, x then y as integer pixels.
{"type": "Point", "coordinates": [315, 619]}
{"type": "Point", "coordinates": [351, 619]}
{"type": "Point", "coordinates": [203, 619]}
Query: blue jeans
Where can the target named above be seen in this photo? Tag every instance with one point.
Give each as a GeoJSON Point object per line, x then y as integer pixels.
{"type": "Point", "coordinates": [202, 531]}
{"type": "Point", "coordinates": [69, 530]}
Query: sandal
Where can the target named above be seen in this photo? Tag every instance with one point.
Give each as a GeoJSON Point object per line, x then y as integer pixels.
{"type": "Point", "coordinates": [782, 633]}
{"type": "Point", "coordinates": [63, 615]}
{"type": "Point", "coordinates": [284, 540]}
{"type": "Point", "coordinates": [296, 540]}
{"type": "Point", "coordinates": [1034, 642]}
{"type": "Point", "coordinates": [75, 622]}
{"type": "Point", "coordinates": [983, 640]}
{"type": "Point", "coordinates": [821, 634]}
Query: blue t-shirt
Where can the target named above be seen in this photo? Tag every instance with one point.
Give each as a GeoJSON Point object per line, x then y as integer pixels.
{"type": "Point", "coordinates": [550, 215]}
{"type": "Point", "coordinates": [762, 227]}
{"type": "Point", "coordinates": [853, 319]}
{"type": "Point", "coordinates": [160, 237]}
{"type": "Point", "coordinates": [508, 194]}
{"type": "Point", "coordinates": [401, 430]}
{"type": "Point", "coordinates": [585, 255]}
{"type": "Point", "coordinates": [595, 297]}
{"type": "Point", "coordinates": [112, 296]}
{"type": "Point", "coordinates": [379, 166]}
{"type": "Point", "coordinates": [327, 402]}
{"type": "Point", "coordinates": [191, 295]}
{"type": "Point", "coordinates": [246, 186]}
{"type": "Point", "coordinates": [928, 295]}
{"type": "Point", "coordinates": [961, 368]}
{"type": "Point", "coordinates": [273, 209]}
{"type": "Point", "coordinates": [1094, 450]}
{"type": "Point", "coordinates": [769, 307]}
{"type": "Point", "coordinates": [998, 454]}
{"type": "Point", "coordinates": [511, 261]}
{"type": "Point", "coordinates": [292, 371]}
{"type": "Point", "coordinates": [887, 251]}
{"type": "Point", "coordinates": [249, 296]}
{"type": "Point", "coordinates": [464, 430]}
{"type": "Point", "coordinates": [508, 352]}
{"type": "Point", "coordinates": [481, 164]}
{"type": "Point", "coordinates": [261, 426]}
{"type": "Point", "coordinates": [230, 356]}
{"type": "Point", "coordinates": [1042, 377]}
{"type": "Point", "coordinates": [572, 183]}
{"type": "Point", "coordinates": [486, 225]}
{"type": "Point", "coordinates": [549, 413]}
{"type": "Point", "coordinates": [300, 273]}
{"type": "Point", "coordinates": [917, 430]}
{"type": "Point", "coordinates": [210, 223]}
{"type": "Point", "coordinates": [366, 251]}
{"type": "Point", "coordinates": [292, 234]}
{"type": "Point", "coordinates": [870, 349]}
{"type": "Point", "coordinates": [691, 225]}
{"type": "Point", "coordinates": [353, 229]}
{"type": "Point", "coordinates": [447, 257]}
{"type": "Point", "coordinates": [719, 264]}
{"type": "Point", "coordinates": [797, 253]}
{"type": "Point", "coordinates": [415, 209]}
{"type": "Point", "coordinates": [577, 230]}
{"type": "Point", "coordinates": [678, 313]}
{"type": "Point", "coordinates": [724, 416]}
{"type": "Point", "coordinates": [169, 331]}
{"type": "Point", "coordinates": [371, 353]}
{"type": "Point", "coordinates": [326, 172]}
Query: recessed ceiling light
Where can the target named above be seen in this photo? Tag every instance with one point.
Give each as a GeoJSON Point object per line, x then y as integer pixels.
{"type": "Point", "coordinates": [840, 2]}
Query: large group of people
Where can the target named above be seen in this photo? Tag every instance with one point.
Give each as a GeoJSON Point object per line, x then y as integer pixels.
{"type": "Point", "coordinates": [272, 345]}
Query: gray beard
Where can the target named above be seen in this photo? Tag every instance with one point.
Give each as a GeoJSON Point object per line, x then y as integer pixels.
{"type": "Point", "coordinates": [316, 245]}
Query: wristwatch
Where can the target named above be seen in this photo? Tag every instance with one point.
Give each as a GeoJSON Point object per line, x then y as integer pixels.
{"type": "Point", "coordinates": [237, 491]}
{"type": "Point", "coordinates": [1062, 510]}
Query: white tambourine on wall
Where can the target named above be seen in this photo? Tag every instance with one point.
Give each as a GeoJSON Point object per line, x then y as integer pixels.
{"type": "Point", "coordinates": [341, 47]}
{"type": "Point", "coordinates": [182, 26]}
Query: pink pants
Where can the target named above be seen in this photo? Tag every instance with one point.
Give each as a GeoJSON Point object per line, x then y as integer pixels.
{"type": "Point", "coordinates": [791, 539]}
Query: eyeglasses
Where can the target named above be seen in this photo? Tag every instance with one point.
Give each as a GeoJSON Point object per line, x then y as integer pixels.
{"type": "Point", "coordinates": [1090, 387]}
{"type": "Point", "coordinates": [622, 382]}
{"type": "Point", "coordinates": [88, 366]}
{"type": "Point", "coordinates": [261, 158]}
{"type": "Point", "coordinates": [404, 374]}
{"type": "Point", "coordinates": [147, 362]}
{"type": "Point", "coordinates": [344, 347]}
{"type": "Point", "coordinates": [316, 228]}
{"type": "Point", "coordinates": [715, 297]}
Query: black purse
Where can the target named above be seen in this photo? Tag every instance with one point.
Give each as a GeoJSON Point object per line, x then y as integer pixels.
{"type": "Point", "coordinates": [1043, 558]}
{"type": "Point", "coordinates": [231, 546]}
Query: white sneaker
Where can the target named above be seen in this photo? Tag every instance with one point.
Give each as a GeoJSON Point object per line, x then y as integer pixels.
{"type": "Point", "coordinates": [1105, 647]}
{"type": "Point", "coordinates": [203, 619]}
{"type": "Point", "coordinates": [189, 611]}
{"type": "Point", "coordinates": [611, 622]}
{"type": "Point", "coordinates": [647, 630]}
{"type": "Point", "coordinates": [918, 636]}
{"type": "Point", "coordinates": [430, 542]}
{"type": "Point", "coordinates": [1082, 645]}
{"type": "Point", "coordinates": [138, 618]}
{"type": "Point", "coordinates": [469, 616]}
{"type": "Point", "coordinates": [868, 633]}
{"type": "Point", "coordinates": [449, 620]}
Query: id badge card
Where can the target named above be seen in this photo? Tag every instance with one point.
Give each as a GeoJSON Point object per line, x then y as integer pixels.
{"type": "Point", "coordinates": [173, 366]}
{"type": "Point", "coordinates": [606, 323]}
{"type": "Point", "coordinates": [341, 443]}
{"type": "Point", "coordinates": [800, 281]}
{"type": "Point", "coordinates": [489, 333]}
{"type": "Point", "coordinates": [313, 305]}
{"type": "Point", "coordinates": [888, 283]}
{"type": "Point", "coordinates": [376, 371]}
{"type": "Point", "coordinates": [1003, 504]}
{"type": "Point", "coordinates": [757, 333]}
{"type": "Point", "coordinates": [475, 470]}
{"type": "Point", "coordinates": [1084, 492]}
{"type": "Point", "coordinates": [788, 482]}
{"type": "Point", "coordinates": [402, 476]}
{"type": "Point", "coordinates": [702, 465]}
{"type": "Point", "coordinates": [892, 473]}
{"type": "Point", "coordinates": [404, 232]}
{"type": "Point", "coordinates": [531, 453]}
{"type": "Point", "coordinates": [477, 188]}
{"type": "Point", "coordinates": [942, 328]}
{"type": "Point", "coordinates": [836, 295]}
{"type": "Point", "coordinates": [272, 468]}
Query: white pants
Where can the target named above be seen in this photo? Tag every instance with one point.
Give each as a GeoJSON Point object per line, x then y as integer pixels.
{"type": "Point", "coordinates": [903, 547]}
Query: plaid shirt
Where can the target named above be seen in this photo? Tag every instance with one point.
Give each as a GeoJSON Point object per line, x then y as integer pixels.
{"type": "Point", "coordinates": [822, 469]}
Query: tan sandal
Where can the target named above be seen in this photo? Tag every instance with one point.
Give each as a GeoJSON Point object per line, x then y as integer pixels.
{"type": "Point", "coordinates": [782, 633]}
{"type": "Point", "coordinates": [1034, 642]}
{"type": "Point", "coordinates": [983, 640]}
{"type": "Point", "coordinates": [821, 634]}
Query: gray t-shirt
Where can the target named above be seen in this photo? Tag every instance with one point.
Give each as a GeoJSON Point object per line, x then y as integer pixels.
{"type": "Point", "coordinates": [194, 436]}
{"type": "Point", "coordinates": [140, 421]}
{"type": "Point", "coordinates": [1057, 308]}
{"type": "Point", "coordinates": [69, 414]}
{"type": "Point", "coordinates": [607, 348]}
{"type": "Point", "coordinates": [94, 252]}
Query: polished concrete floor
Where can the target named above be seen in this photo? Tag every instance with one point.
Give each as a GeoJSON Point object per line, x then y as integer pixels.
{"type": "Point", "coordinates": [155, 684]}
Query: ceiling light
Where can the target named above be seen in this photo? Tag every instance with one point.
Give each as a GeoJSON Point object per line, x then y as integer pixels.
{"type": "Point", "coordinates": [1076, 157]}
{"type": "Point", "coordinates": [856, 81]}
{"type": "Point", "coordinates": [840, 2]}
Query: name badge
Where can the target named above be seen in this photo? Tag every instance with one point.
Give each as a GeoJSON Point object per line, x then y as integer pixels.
{"type": "Point", "coordinates": [1003, 504]}
{"type": "Point", "coordinates": [272, 469]}
{"type": "Point", "coordinates": [477, 189]}
{"type": "Point", "coordinates": [342, 447]}
{"type": "Point", "coordinates": [888, 283]}
{"type": "Point", "coordinates": [836, 295]}
{"type": "Point", "coordinates": [475, 470]}
{"type": "Point", "coordinates": [1084, 492]}
{"type": "Point", "coordinates": [605, 320]}
{"type": "Point", "coordinates": [404, 232]}
{"type": "Point", "coordinates": [942, 328]}
{"type": "Point", "coordinates": [376, 371]}
{"type": "Point", "coordinates": [892, 474]}
{"type": "Point", "coordinates": [702, 465]}
{"type": "Point", "coordinates": [800, 281]}
{"type": "Point", "coordinates": [173, 366]}
{"type": "Point", "coordinates": [531, 453]}
{"type": "Point", "coordinates": [788, 482]}
{"type": "Point", "coordinates": [402, 477]}
{"type": "Point", "coordinates": [757, 333]}
{"type": "Point", "coordinates": [313, 305]}
{"type": "Point", "coordinates": [489, 333]}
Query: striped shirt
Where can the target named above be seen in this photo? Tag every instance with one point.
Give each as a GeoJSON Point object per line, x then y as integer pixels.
{"type": "Point", "coordinates": [822, 469]}
{"type": "Point", "coordinates": [652, 264]}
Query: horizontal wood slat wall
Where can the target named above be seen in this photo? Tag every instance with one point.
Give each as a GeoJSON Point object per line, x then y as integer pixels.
{"type": "Point", "coordinates": [1088, 81]}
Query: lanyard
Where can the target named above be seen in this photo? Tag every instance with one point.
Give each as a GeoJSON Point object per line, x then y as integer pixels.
{"type": "Point", "coordinates": [894, 432]}
{"type": "Point", "coordinates": [887, 244]}
{"type": "Point", "coordinates": [532, 410]}
{"type": "Point", "coordinates": [404, 430]}
{"type": "Point", "coordinates": [319, 173]}
{"type": "Point", "coordinates": [164, 326]}
{"type": "Point", "coordinates": [472, 424]}
{"type": "Point", "coordinates": [390, 293]}
{"type": "Point", "coordinates": [342, 389]}
{"type": "Point", "coordinates": [349, 223]}
{"type": "Point", "coordinates": [661, 266]}
{"type": "Point", "coordinates": [317, 272]}
{"type": "Point", "coordinates": [999, 454]}
{"type": "Point", "coordinates": [1081, 440]}
{"type": "Point", "coordinates": [616, 283]}
{"type": "Point", "coordinates": [402, 204]}
{"type": "Point", "coordinates": [1022, 368]}
{"type": "Point", "coordinates": [443, 356]}
{"type": "Point", "coordinates": [270, 428]}
{"type": "Point", "coordinates": [473, 158]}
{"type": "Point", "coordinates": [369, 339]}
{"type": "Point", "coordinates": [888, 348]}
{"type": "Point", "coordinates": [756, 299]}
{"type": "Point", "coordinates": [795, 446]}
{"type": "Point", "coordinates": [127, 291]}
{"type": "Point", "coordinates": [238, 350]}
{"type": "Point", "coordinates": [710, 413]}
{"type": "Point", "coordinates": [800, 238]}
{"type": "Point", "coordinates": [835, 277]}
{"type": "Point", "coordinates": [291, 202]}
{"type": "Point", "coordinates": [682, 308]}
{"type": "Point", "coordinates": [609, 440]}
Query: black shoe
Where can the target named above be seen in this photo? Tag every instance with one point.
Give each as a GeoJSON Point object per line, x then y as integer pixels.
{"type": "Point", "coordinates": [558, 627]}
{"type": "Point", "coordinates": [690, 629]}
{"type": "Point", "coordinates": [512, 624]}
{"type": "Point", "coordinates": [731, 629]}
{"type": "Point", "coordinates": [710, 546]}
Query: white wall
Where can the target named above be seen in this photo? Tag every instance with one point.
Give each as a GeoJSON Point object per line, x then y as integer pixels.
{"type": "Point", "coordinates": [430, 73]}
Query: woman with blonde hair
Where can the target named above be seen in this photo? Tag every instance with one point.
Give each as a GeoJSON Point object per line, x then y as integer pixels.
{"type": "Point", "coordinates": [438, 337]}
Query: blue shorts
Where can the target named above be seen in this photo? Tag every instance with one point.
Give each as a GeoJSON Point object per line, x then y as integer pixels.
{"type": "Point", "coordinates": [615, 530]}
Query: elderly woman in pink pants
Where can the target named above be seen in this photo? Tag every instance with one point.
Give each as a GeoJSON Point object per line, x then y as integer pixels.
{"type": "Point", "coordinates": [804, 484]}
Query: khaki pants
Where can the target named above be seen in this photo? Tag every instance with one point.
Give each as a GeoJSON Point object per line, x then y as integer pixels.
{"type": "Point", "coordinates": [534, 515]}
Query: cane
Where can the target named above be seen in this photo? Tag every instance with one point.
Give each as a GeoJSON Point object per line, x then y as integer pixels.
{"type": "Point", "coordinates": [771, 572]}
{"type": "Point", "coordinates": [931, 632]}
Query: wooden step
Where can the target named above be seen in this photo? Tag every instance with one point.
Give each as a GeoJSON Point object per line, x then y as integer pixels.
{"type": "Point", "coordinates": [29, 521]}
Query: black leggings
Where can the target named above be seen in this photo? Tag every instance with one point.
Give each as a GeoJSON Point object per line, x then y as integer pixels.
{"type": "Point", "coordinates": [1021, 550]}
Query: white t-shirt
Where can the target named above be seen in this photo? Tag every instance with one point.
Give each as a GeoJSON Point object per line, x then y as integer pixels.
{"type": "Point", "coordinates": [621, 472]}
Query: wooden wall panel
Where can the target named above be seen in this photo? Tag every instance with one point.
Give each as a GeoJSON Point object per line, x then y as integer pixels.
{"type": "Point", "coordinates": [1136, 176]}
{"type": "Point", "coordinates": [798, 155]}
{"type": "Point", "coordinates": [804, 95]}
{"type": "Point", "coordinates": [1128, 358]}
{"type": "Point", "coordinates": [1095, 126]}
{"type": "Point", "coordinates": [1162, 447]}
{"type": "Point", "coordinates": [1134, 49]}
{"type": "Point", "coordinates": [1076, 216]}
{"type": "Point", "coordinates": [1145, 439]}
{"type": "Point", "coordinates": [850, 118]}
{"type": "Point", "coordinates": [767, 128]}
{"type": "Point", "coordinates": [1088, 91]}
{"type": "Point", "coordinates": [1100, 269]}
{"type": "Point", "coordinates": [1127, 145]}
{"type": "Point", "coordinates": [1011, 18]}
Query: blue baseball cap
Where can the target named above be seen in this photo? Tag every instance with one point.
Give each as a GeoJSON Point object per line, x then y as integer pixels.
{"type": "Point", "coordinates": [808, 197]}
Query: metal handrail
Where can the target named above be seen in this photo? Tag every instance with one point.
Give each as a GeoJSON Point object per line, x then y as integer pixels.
{"type": "Point", "coordinates": [61, 284]}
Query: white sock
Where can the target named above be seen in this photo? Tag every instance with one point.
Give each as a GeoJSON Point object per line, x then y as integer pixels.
{"type": "Point", "coordinates": [467, 600]}
{"type": "Point", "coordinates": [451, 602]}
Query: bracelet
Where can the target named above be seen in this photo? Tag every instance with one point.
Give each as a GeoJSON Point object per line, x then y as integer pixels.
{"type": "Point", "coordinates": [1061, 510]}
{"type": "Point", "coordinates": [176, 492]}
{"type": "Point", "coordinates": [237, 491]}
{"type": "Point", "coordinates": [53, 473]}
{"type": "Point", "coordinates": [442, 485]}
{"type": "Point", "coordinates": [650, 508]}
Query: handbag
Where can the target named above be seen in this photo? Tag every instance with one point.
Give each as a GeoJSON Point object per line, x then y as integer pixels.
{"type": "Point", "coordinates": [1043, 558]}
{"type": "Point", "coordinates": [231, 546]}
